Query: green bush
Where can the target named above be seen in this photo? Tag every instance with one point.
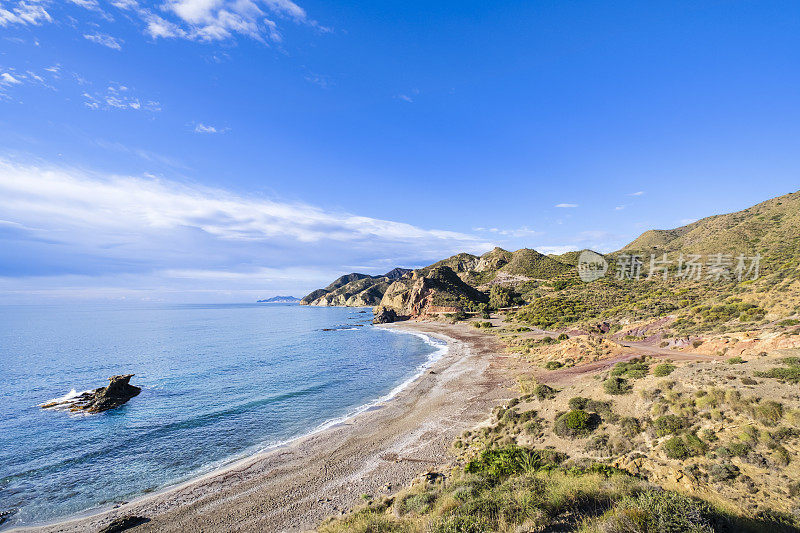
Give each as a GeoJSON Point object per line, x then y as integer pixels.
{"type": "Point", "coordinates": [664, 369]}
{"type": "Point", "coordinates": [600, 407]}
{"type": "Point", "coordinates": [635, 368]}
{"type": "Point", "coordinates": [739, 449]}
{"type": "Point", "coordinates": [668, 425]}
{"type": "Point", "coordinates": [576, 423]}
{"type": "Point", "coordinates": [617, 385]}
{"type": "Point", "coordinates": [769, 412]}
{"type": "Point", "coordinates": [791, 374]}
{"type": "Point", "coordinates": [789, 322]}
{"type": "Point", "coordinates": [459, 523]}
{"type": "Point", "coordinates": [563, 337]}
{"type": "Point", "coordinates": [630, 427]}
{"type": "Point", "coordinates": [544, 392]}
{"type": "Point", "coordinates": [735, 361]}
{"type": "Point", "coordinates": [502, 462]}
{"type": "Point", "coordinates": [500, 297]}
{"type": "Point", "coordinates": [418, 504]}
{"type": "Point", "coordinates": [553, 365]}
{"type": "Point", "coordinates": [675, 448]}
{"type": "Point", "coordinates": [695, 445]}
{"type": "Point", "coordinates": [578, 402]}
{"type": "Point", "coordinates": [723, 472]}
{"type": "Point", "coordinates": [547, 312]}
{"type": "Point", "coordinates": [657, 511]}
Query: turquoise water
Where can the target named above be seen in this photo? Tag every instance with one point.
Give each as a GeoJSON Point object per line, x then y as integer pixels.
{"type": "Point", "coordinates": [219, 382]}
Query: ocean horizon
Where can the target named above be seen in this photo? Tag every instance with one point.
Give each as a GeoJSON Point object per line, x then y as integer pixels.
{"type": "Point", "coordinates": [219, 382]}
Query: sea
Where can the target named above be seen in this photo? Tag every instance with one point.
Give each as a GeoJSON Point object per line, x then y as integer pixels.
{"type": "Point", "coordinates": [219, 382]}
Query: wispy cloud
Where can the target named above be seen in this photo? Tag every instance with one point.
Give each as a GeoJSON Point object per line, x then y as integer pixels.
{"type": "Point", "coordinates": [8, 79]}
{"type": "Point", "coordinates": [105, 40]}
{"type": "Point", "coordinates": [24, 13]}
{"type": "Point", "coordinates": [205, 128]}
{"type": "Point", "coordinates": [216, 20]}
{"type": "Point", "coordinates": [197, 20]}
{"type": "Point", "coordinates": [73, 222]}
{"type": "Point", "coordinates": [637, 193]}
{"type": "Point", "coordinates": [523, 231]}
{"type": "Point", "coordinates": [405, 98]}
{"type": "Point", "coordinates": [119, 97]}
{"type": "Point", "coordinates": [566, 206]}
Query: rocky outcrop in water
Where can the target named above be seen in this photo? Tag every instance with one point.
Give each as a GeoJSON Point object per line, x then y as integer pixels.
{"type": "Point", "coordinates": [5, 515]}
{"type": "Point", "coordinates": [385, 315]}
{"type": "Point", "coordinates": [115, 394]}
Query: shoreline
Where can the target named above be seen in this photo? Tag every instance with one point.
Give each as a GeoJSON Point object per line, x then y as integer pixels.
{"type": "Point", "coordinates": [295, 485]}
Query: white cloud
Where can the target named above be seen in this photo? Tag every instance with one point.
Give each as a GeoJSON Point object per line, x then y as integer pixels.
{"type": "Point", "coordinates": [620, 207]}
{"type": "Point", "coordinates": [8, 79]}
{"type": "Point", "coordinates": [556, 250]}
{"type": "Point", "coordinates": [215, 20]}
{"type": "Point", "coordinates": [686, 221]}
{"type": "Point", "coordinates": [405, 98]}
{"type": "Point", "coordinates": [105, 40]}
{"type": "Point", "coordinates": [24, 13]}
{"type": "Point", "coordinates": [87, 4]}
{"type": "Point", "coordinates": [566, 206]}
{"type": "Point", "coordinates": [637, 193]}
{"type": "Point", "coordinates": [119, 97]}
{"type": "Point", "coordinates": [523, 231]}
{"type": "Point", "coordinates": [97, 225]}
{"type": "Point", "coordinates": [203, 128]}
{"type": "Point", "coordinates": [198, 20]}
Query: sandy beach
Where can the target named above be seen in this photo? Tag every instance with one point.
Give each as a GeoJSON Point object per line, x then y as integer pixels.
{"type": "Point", "coordinates": [295, 487]}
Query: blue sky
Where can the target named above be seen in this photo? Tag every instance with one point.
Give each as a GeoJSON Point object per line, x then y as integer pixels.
{"type": "Point", "coordinates": [222, 150]}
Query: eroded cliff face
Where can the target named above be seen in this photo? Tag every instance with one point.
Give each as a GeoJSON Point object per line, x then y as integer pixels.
{"type": "Point", "coordinates": [355, 290]}
{"type": "Point", "coordinates": [366, 292]}
{"type": "Point", "coordinates": [436, 290]}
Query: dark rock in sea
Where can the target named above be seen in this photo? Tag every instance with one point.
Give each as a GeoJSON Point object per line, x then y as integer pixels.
{"type": "Point", "coordinates": [115, 394]}
{"type": "Point", "coordinates": [5, 515]}
{"type": "Point", "coordinates": [124, 522]}
{"type": "Point", "coordinates": [385, 315]}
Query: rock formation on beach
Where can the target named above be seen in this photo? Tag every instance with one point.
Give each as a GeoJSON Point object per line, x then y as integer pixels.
{"type": "Point", "coordinates": [438, 290]}
{"type": "Point", "coordinates": [115, 394]}
{"type": "Point", "coordinates": [385, 315]}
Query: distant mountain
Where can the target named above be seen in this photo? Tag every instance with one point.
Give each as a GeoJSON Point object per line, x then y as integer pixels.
{"type": "Point", "coordinates": [280, 300]}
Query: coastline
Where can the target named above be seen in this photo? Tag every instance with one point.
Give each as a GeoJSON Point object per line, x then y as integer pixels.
{"type": "Point", "coordinates": [295, 486]}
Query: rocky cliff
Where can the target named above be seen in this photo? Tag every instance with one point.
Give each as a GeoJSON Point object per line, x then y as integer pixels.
{"type": "Point", "coordinates": [355, 290]}
{"type": "Point", "coordinates": [438, 289]}
{"type": "Point", "coordinates": [394, 289]}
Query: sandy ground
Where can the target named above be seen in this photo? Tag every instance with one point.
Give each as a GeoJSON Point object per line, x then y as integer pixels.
{"type": "Point", "coordinates": [295, 487]}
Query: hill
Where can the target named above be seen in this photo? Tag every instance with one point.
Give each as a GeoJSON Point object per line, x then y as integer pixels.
{"type": "Point", "coordinates": [438, 289]}
{"type": "Point", "coordinates": [280, 300]}
{"type": "Point", "coordinates": [771, 229]}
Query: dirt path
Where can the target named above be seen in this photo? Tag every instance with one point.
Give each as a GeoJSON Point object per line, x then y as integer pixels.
{"type": "Point", "coordinates": [632, 350]}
